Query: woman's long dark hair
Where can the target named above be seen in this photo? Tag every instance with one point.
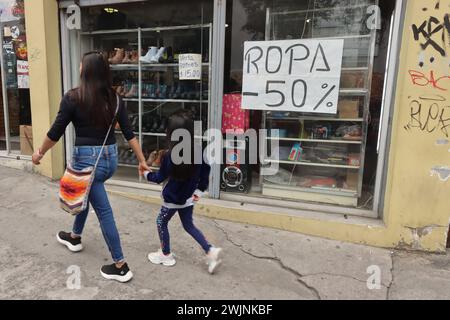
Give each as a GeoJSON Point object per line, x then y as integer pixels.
{"type": "Point", "coordinates": [95, 93]}
{"type": "Point", "coordinates": [181, 120]}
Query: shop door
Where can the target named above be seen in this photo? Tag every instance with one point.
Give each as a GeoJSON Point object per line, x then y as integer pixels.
{"type": "Point", "coordinates": [15, 130]}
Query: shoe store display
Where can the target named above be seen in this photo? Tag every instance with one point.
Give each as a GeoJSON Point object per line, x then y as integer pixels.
{"type": "Point", "coordinates": [133, 92]}
{"type": "Point", "coordinates": [162, 128]}
{"type": "Point", "coordinates": [158, 57]}
{"type": "Point", "coordinates": [156, 125]}
{"type": "Point", "coordinates": [151, 53]}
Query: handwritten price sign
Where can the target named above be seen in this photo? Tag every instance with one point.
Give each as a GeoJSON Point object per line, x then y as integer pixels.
{"type": "Point", "coordinates": [190, 66]}
{"type": "Point", "coordinates": [292, 75]}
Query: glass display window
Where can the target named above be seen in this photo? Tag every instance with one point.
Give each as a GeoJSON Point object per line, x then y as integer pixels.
{"type": "Point", "coordinates": [146, 43]}
{"type": "Point", "coordinates": [323, 158]}
{"type": "Point", "coordinates": [16, 137]}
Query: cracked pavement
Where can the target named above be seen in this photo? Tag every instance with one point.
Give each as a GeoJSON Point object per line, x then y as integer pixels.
{"type": "Point", "coordinates": [259, 263]}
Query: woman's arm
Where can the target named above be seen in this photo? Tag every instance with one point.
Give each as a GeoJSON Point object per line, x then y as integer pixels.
{"type": "Point", "coordinates": [58, 128]}
{"type": "Point", "coordinates": [134, 144]}
{"type": "Point", "coordinates": [128, 133]}
{"type": "Point", "coordinates": [39, 153]}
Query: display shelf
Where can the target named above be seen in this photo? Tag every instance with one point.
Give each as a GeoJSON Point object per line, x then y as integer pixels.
{"type": "Point", "coordinates": [353, 92]}
{"type": "Point", "coordinates": [165, 100]}
{"type": "Point", "coordinates": [312, 164]}
{"type": "Point", "coordinates": [360, 62]}
{"type": "Point", "coordinates": [337, 191]}
{"type": "Point", "coordinates": [333, 196]}
{"type": "Point", "coordinates": [316, 140]}
{"type": "Point", "coordinates": [156, 29]}
{"type": "Point", "coordinates": [126, 165]}
{"type": "Point", "coordinates": [146, 66]}
{"type": "Point", "coordinates": [307, 118]}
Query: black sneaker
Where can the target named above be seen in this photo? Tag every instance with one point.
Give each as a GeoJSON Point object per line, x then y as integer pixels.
{"type": "Point", "coordinates": [111, 272]}
{"type": "Point", "coordinates": [72, 244]}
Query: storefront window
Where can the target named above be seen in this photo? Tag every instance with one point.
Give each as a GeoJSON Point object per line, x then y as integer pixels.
{"type": "Point", "coordinates": [324, 157]}
{"type": "Point", "coordinates": [15, 126]}
{"type": "Point", "coordinates": [146, 43]}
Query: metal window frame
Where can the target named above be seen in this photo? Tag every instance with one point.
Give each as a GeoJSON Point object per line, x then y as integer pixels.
{"type": "Point", "coordinates": [388, 101]}
{"type": "Point", "coordinates": [4, 91]}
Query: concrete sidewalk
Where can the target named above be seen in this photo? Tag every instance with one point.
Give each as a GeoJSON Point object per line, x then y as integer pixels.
{"type": "Point", "coordinates": [260, 263]}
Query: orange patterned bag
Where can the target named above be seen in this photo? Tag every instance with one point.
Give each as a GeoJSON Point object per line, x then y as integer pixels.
{"type": "Point", "coordinates": [75, 185]}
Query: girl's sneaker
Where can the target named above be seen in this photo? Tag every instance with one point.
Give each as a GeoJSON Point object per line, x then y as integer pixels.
{"type": "Point", "coordinates": [214, 259]}
{"type": "Point", "coordinates": [111, 272]}
{"type": "Point", "coordinates": [73, 244]}
{"type": "Point", "coordinates": [160, 258]}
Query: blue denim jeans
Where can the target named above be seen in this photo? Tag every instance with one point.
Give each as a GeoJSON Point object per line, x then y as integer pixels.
{"type": "Point", "coordinates": [86, 156]}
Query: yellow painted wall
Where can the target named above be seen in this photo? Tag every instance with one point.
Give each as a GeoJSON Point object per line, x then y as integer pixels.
{"type": "Point", "coordinates": [417, 196]}
{"type": "Point", "coordinates": [45, 77]}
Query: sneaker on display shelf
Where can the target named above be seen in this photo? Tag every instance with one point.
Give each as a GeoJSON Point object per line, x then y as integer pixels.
{"type": "Point", "coordinates": [152, 51]}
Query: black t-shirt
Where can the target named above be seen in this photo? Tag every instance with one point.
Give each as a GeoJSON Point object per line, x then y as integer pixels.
{"type": "Point", "coordinates": [86, 133]}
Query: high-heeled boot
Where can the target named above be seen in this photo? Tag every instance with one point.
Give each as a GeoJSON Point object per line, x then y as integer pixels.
{"type": "Point", "coordinates": [118, 57]}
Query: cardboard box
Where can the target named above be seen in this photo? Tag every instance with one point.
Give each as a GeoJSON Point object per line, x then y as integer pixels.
{"type": "Point", "coordinates": [26, 140]}
{"type": "Point", "coordinates": [352, 179]}
{"type": "Point", "coordinates": [348, 109]}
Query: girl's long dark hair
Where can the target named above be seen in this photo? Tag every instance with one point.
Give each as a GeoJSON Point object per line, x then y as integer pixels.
{"type": "Point", "coordinates": [95, 93]}
{"type": "Point", "coordinates": [181, 120]}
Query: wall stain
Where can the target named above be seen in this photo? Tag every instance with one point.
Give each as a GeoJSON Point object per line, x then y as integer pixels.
{"type": "Point", "coordinates": [443, 172]}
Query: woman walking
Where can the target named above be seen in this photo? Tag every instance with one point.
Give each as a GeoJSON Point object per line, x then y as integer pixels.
{"type": "Point", "coordinates": [92, 109]}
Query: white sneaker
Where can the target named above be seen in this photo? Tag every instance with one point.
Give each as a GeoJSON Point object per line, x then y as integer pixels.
{"type": "Point", "coordinates": [214, 259]}
{"type": "Point", "coordinates": [149, 56]}
{"type": "Point", "coordinates": [160, 258]}
{"type": "Point", "coordinates": [156, 58]}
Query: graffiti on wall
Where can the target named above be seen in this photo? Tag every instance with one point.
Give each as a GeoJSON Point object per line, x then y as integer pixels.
{"type": "Point", "coordinates": [432, 33]}
{"type": "Point", "coordinates": [429, 114]}
{"type": "Point", "coordinates": [429, 110]}
{"type": "Point", "coordinates": [429, 101]}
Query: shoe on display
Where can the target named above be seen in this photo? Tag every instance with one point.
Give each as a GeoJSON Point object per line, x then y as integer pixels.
{"type": "Point", "coordinates": [127, 59]}
{"type": "Point", "coordinates": [160, 258]}
{"type": "Point", "coordinates": [163, 91]}
{"type": "Point", "coordinates": [118, 57]}
{"type": "Point", "coordinates": [158, 57]}
{"type": "Point", "coordinates": [152, 91]}
{"type": "Point", "coordinates": [168, 55]}
{"type": "Point", "coordinates": [152, 51]}
{"type": "Point", "coordinates": [152, 158]}
{"type": "Point", "coordinates": [156, 124]}
{"type": "Point", "coordinates": [134, 57]}
{"type": "Point", "coordinates": [157, 162]}
{"type": "Point", "coordinates": [162, 128]}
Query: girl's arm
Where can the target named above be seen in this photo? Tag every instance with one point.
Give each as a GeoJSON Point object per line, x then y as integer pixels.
{"type": "Point", "coordinates": [162, 174]}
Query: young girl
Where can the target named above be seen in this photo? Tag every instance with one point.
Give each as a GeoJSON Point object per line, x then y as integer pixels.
{"type": "Point", "coordinates": [184, 185]}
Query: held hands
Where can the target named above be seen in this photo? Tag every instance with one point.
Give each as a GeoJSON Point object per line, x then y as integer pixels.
{"type": "Point", "coordinates": [37, 157]}
{"type": "Point", "coordinates": [197, 196]}
{"type": "Point", "coordinates": [143, 167]}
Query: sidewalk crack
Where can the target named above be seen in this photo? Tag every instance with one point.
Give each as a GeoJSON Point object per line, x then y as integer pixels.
{"type": "Point", "coordinates": [388, 291]}
{"type": "Point", "coordinates": [299, 276]}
